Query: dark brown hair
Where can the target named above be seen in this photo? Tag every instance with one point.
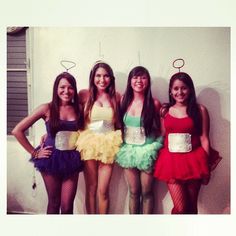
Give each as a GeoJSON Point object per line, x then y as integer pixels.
{"type": "Point", "coordinates": [55, 104]}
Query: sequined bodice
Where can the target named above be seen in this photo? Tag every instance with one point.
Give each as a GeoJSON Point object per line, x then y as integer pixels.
{"type": "Point", "coordinates": [64, 126]}
{"type": "Point", "coordinates": [180, 125]}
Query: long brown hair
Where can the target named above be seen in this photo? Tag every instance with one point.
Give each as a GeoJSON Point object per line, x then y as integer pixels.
{"type": "Point", "coordinates": [54, 121]}
{"type": "Point", "coordinates": [110, 90]}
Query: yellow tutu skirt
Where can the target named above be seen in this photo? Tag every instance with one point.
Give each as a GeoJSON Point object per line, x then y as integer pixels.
{"type": "Point", "coordinates": [99, 146]}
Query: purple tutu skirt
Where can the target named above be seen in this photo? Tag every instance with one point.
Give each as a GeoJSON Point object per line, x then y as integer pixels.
{"type": "Point", "coordinates": [61, 163]}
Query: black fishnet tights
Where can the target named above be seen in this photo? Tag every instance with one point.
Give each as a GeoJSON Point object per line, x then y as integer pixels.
{"type": "Point", "coordinates": [61, 193]}
{"type": "Point", "coordinates": [184, 197]}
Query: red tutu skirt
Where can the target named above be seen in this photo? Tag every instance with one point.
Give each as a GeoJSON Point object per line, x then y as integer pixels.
{"type": "Point", "coordinates": [180, 167]}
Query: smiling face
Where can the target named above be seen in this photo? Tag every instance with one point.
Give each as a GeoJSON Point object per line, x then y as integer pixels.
{"type": "Point", "coordinates": [139, 83]}
{"type": "Point", "coordinates": [180, 92]}
{"type": "Point", "coordinates": [65, 91]}
{"type": "Point", "coordinates": [101, 79]}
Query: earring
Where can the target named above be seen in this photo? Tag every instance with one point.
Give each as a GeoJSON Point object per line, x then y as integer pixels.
{"type": "Point", "coordinates": [72, 100]}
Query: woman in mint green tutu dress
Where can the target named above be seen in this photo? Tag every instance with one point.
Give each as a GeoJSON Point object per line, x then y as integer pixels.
{"type": "Point", "coordinates": [141, 134]}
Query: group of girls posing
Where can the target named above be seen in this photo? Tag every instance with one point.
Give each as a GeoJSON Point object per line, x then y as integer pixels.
{"type": "Point", "coordinates": [95, 128]}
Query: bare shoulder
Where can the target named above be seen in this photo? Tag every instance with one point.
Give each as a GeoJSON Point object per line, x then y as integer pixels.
{"type": "Point", "coordinates": [203, 111]}
{"type": "Point", "coordinates": [157, 104]}
{"type": "Point", "coordinates": [202, 108]}
{"type": "Point", "coordinates": [118, 97]}
{"type": "Point", "coordinates": [83, 95]}
{"type": "Point", "coordinates": [42, 110]}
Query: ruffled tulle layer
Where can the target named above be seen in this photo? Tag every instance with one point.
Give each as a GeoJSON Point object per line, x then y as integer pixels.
{"type": "Point", "coordinates": [141, 157]}
{"type": "Point", "coordinates": [171, 167]}
{"type": "Point", "coordinates": [99, 146]}
{"type": "Point", "coordinates": [62, 163]}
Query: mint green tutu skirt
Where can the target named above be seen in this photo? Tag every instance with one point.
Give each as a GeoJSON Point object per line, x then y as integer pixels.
{"type": "Point", "coordinates": [141, 157]}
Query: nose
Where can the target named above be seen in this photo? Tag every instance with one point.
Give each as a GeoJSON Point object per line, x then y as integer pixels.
{"type": "Point", "coordinates": [66, 90]}
{"type": "Point", "coordinates": [102, 78]}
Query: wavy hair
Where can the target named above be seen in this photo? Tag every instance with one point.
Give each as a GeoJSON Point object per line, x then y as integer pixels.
{"type": "Point", "coordinates": [110, 90]}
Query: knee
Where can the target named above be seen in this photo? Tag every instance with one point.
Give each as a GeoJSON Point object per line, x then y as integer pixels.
{"type": "Point", "coordinates": [54, 201]}
{"type": "Point", "coordinates": [147, 194]}
{"type": "Point", "coordinates": [53, 205]}
{"type": "Point", "coordinates": [67, 208]}
{"type": "Point", "coordinates": [92, 189]}
{"type": "Point", "coordinates": [103, 193]}
{"type": "Point", "coordinates": [134, 193]}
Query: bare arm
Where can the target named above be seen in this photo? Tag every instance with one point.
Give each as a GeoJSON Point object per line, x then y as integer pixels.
{"type": "Point", "coordinates": [204, 138]}
{"type": "Point", "coordinates": [157, 105]}
{"type": "Point", "coordinates": [163, 131]}
{"type": "Point", "coordinates": [22, 126]}
{"type": "Point", "coordinates": [83, 96]}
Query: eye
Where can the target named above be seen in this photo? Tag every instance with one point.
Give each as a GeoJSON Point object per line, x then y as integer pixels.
{"type": "Point", "coordinates": [175, 88]}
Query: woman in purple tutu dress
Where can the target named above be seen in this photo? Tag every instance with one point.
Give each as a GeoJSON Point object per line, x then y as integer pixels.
{"type": "Point", "coordinates": [57, 160]}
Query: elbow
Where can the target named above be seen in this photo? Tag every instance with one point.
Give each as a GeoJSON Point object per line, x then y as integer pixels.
{"type": "Point", "coordinates": [14, 132]}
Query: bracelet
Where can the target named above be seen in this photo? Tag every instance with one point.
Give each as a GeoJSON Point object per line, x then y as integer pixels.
{"type": "Point", "coordinates": [35, 153]}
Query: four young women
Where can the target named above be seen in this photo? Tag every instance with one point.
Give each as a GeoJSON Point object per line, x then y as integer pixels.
{"type": "Point", "coordinates": [103, 122]}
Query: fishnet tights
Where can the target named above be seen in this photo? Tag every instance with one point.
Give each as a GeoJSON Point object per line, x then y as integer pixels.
{"type": "Point", "coordinates": [61, 193]}
{"type": "Point", "coordinates": [184, 197]}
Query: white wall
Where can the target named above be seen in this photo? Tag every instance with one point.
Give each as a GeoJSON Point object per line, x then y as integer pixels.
{"type": "Point", "coordinates": [206, 52]}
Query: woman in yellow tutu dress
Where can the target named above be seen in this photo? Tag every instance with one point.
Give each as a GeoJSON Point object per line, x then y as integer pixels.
{"type": "Point", "coordinates": [100, 141]}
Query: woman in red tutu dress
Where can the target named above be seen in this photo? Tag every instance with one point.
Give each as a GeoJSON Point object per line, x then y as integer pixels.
{"type": "Point", "coordinates": [183, 162]}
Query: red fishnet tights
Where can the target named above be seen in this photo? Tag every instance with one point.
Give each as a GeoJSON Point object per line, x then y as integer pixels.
{"type": "Point", "coordinates": [184, 197]}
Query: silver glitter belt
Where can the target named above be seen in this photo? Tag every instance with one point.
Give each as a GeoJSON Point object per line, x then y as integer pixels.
{"type": "Point", "coordinates": [65, 140]}
{"type": "Point", "coordinates": [135, 135]}
{"type": "Point", "coordinates": [179, 142]}
{"type": "Point", "coordinates": [101, 126]}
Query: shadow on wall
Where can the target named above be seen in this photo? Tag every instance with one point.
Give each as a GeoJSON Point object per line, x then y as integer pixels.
{"type": "Point", "coordinates": [121, 82]}
{"type": "Point", "coordinates": [215, 197]}
{"type": "Point", "coordinates": [160, 87]}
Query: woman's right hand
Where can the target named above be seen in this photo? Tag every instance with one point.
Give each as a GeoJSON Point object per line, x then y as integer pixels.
{"type": "Point", "coordinates": [43, 152]}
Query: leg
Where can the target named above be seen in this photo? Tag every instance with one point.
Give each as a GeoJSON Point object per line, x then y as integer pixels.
{"type": "Point", "coordinates": [104, 177]}
{"type": "Point", "coordinates": [179, 198]}
{"type": "Point", "coordinates": [68, 191]}
{"type": "Point", "coordinates": [147, 192]}
{"type": "Point", "coordinates": [193, 189]}
{"type": "Point", "coordinates": [53, 187]}
{"type": "Point", "coordinates": [91, 179]}
{"type": "Point", "coordinates": [133, 179]}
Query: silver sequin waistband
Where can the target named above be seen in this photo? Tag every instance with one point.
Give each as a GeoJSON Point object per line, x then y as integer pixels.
{"type": "Point", "coordinates": [135, 135]}
{"type": "Point", "coordinates": [179, 142]}
{"type": "Point", "coordinates": [65, 140]}
{"type": "Point", "coordinates": [101, 126]}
